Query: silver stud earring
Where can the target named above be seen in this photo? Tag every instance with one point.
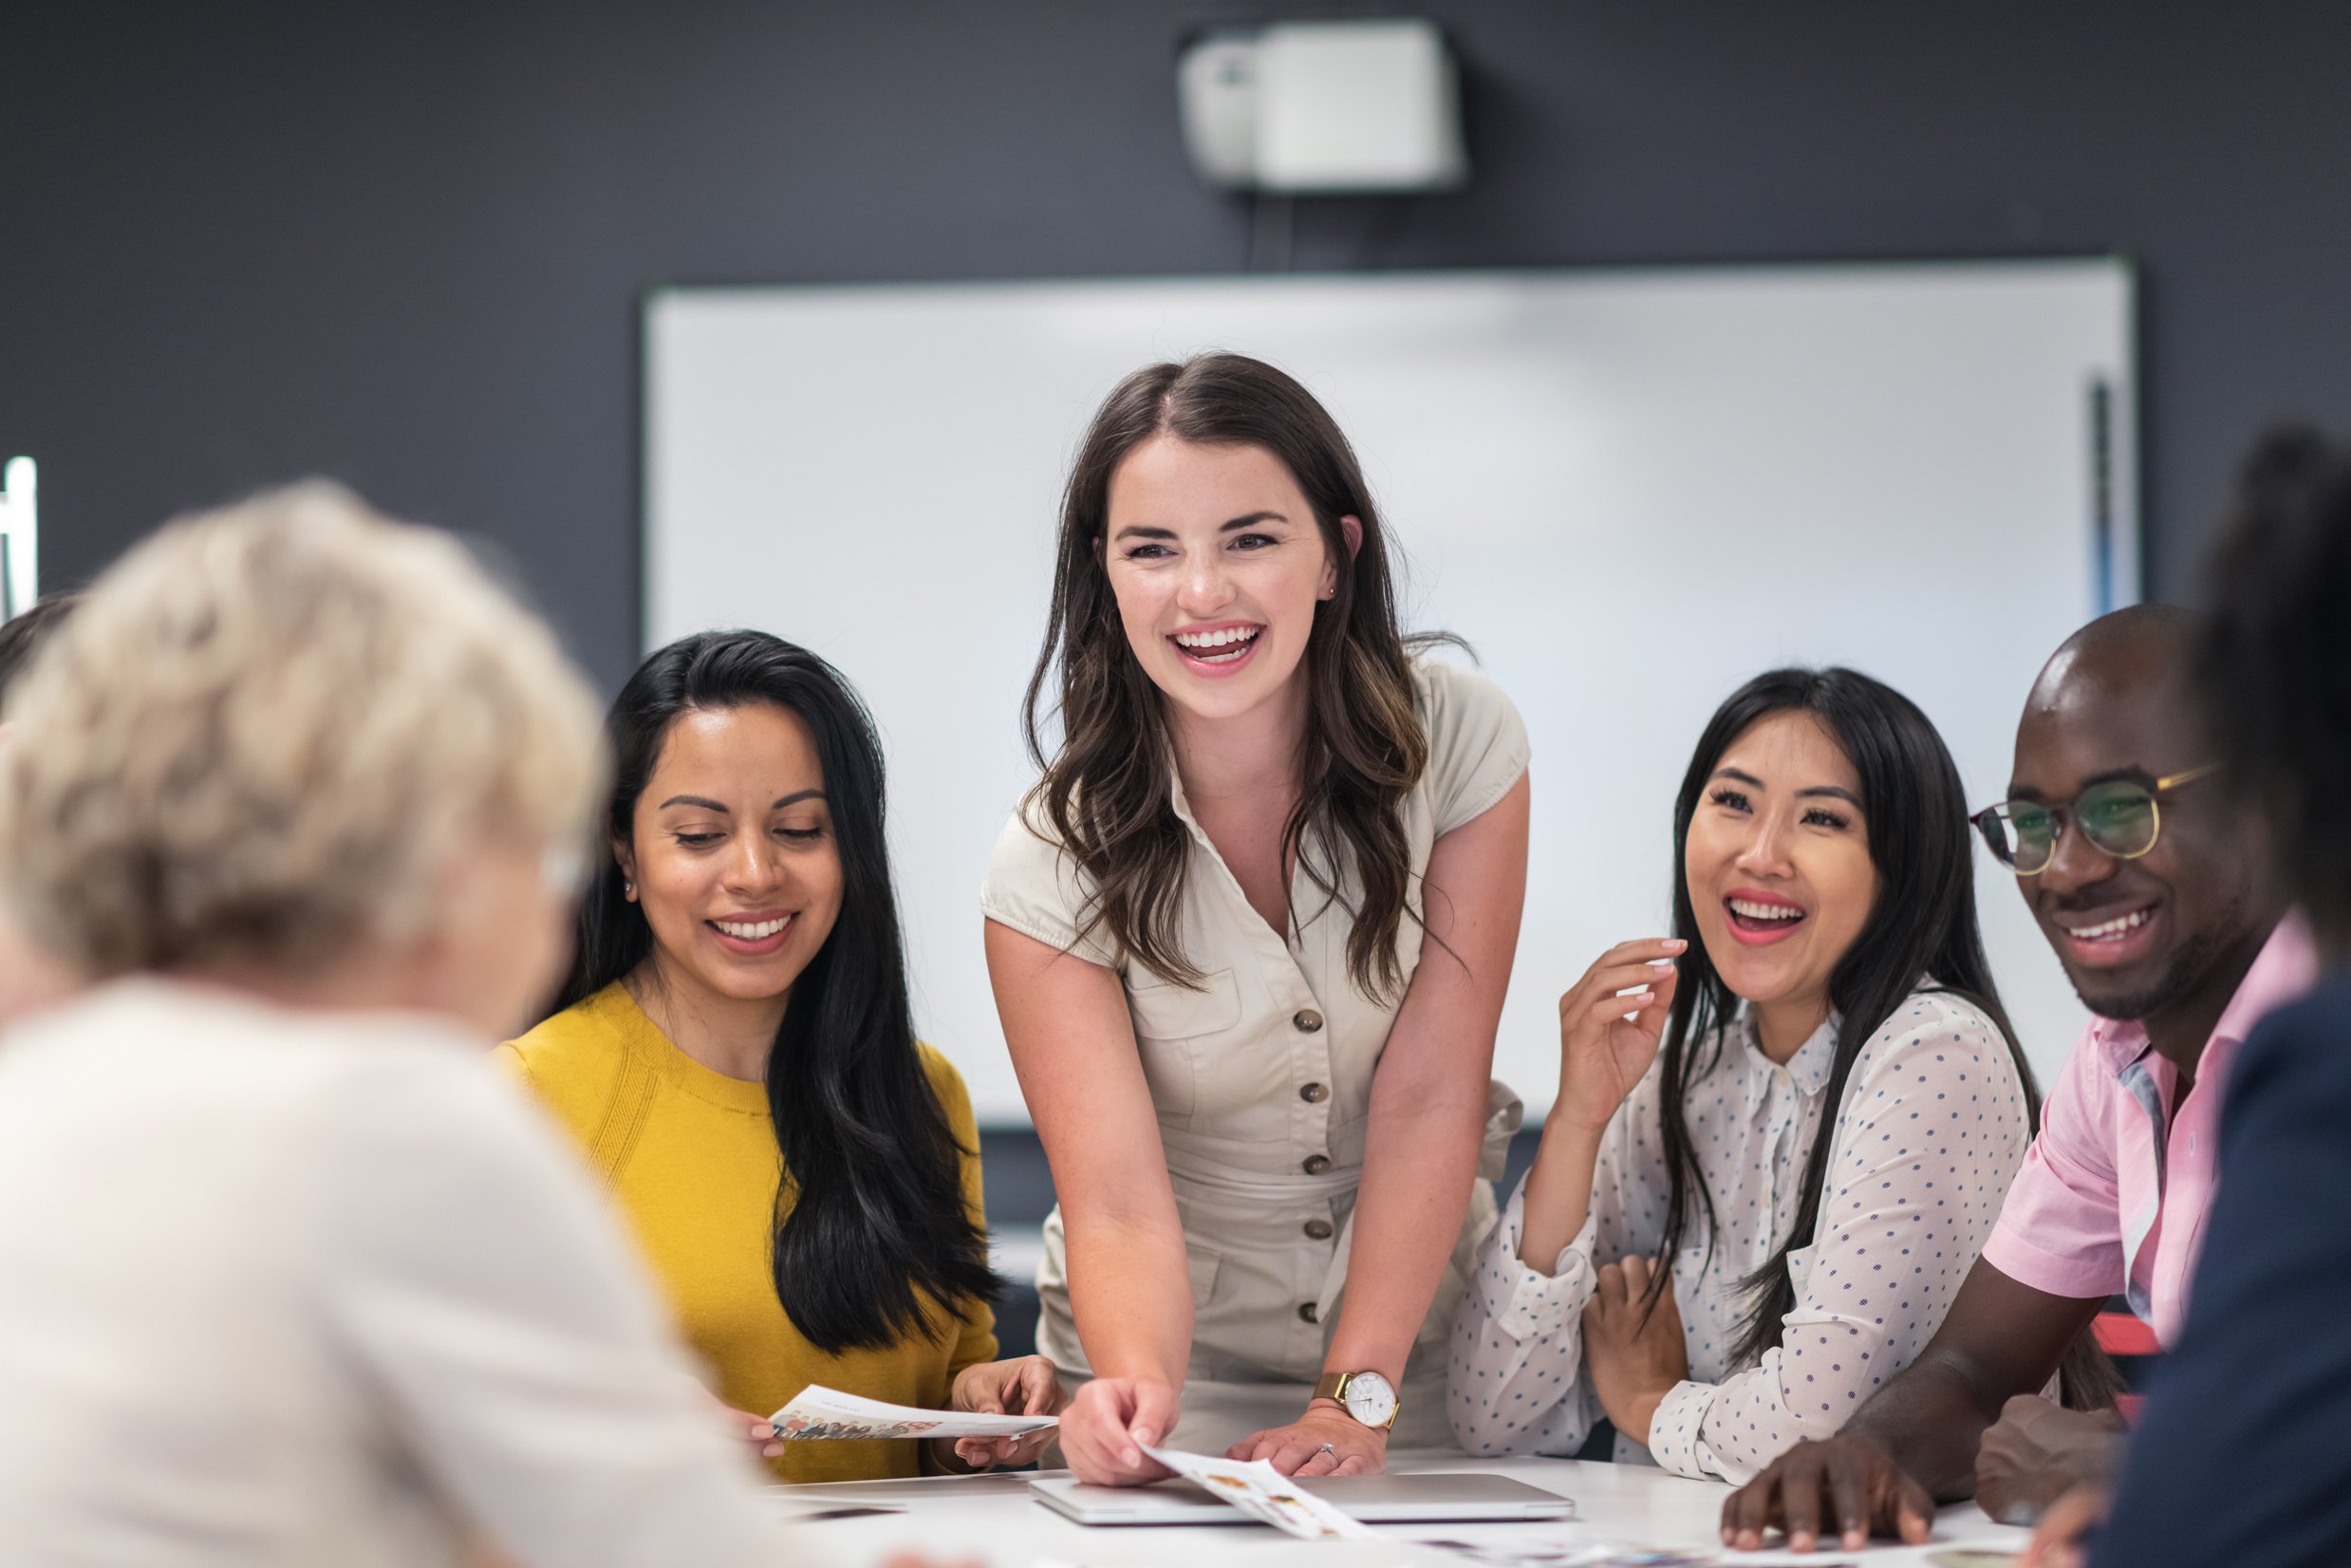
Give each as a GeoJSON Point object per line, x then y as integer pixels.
{"type": "Point", "coordinates": [628, 889]}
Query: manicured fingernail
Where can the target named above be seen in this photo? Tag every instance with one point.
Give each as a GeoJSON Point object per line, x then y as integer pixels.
{"type": "Point", "coordinates": [1661, 963]}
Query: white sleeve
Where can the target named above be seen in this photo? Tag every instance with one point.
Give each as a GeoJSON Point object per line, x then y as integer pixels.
{"type": "Point", "coordinates": [482, 1297]}
{"type": "Point", "coordinates": [1515, 1383]}
{"type": "Point", "coordinates": [1929, 1135]}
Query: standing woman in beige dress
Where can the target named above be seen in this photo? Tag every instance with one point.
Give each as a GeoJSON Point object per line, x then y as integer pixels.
{"type": "Point", "coordinates": [1249, 936]}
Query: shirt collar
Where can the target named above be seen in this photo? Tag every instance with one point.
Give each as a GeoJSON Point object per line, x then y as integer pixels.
{"type": "Point", "coordinates": [1813, 1059]}
{"type": "Point", "coordinates": [1808, 1069]}
{"type": "Point", "coordinates": [2286, 966]}
{"type": "Point", "coordinates": [1179, 800]}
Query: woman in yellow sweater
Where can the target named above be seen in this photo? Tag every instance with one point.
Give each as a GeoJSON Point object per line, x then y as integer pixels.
{"type": "Point", "coordinates": [736, 1053]}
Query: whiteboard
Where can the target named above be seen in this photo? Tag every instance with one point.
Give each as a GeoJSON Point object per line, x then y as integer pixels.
{"type": "Point", "coordinates": [1628, 491]}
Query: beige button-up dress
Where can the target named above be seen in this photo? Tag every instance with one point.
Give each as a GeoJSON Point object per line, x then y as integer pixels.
{"type": "Point", "coordinates": [1262, 1083]}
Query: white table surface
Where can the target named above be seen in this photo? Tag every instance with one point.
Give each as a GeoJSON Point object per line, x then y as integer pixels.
{"type": "Point", "coordinates": [990, 1518]}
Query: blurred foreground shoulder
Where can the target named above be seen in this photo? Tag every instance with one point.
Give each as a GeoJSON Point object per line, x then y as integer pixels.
{"type": "Point", "coordinates": [571, 1060]}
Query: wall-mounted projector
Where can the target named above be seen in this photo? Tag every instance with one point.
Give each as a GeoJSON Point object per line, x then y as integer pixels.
{"type": "Point", "coordinates": [1307, 108]}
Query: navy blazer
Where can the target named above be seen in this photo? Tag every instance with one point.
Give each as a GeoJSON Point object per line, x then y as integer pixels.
{"type": "Point", "coordinates": [2243, 1455]}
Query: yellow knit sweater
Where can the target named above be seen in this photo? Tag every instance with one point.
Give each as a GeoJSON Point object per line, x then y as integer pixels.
{"type": "Point", "coordinates": [690, 1154]}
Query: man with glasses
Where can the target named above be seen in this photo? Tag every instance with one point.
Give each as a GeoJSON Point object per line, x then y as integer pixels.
{"type": "Point", "coordinates": [2147, 882]}
{"type": "Point", "coordinates": [2241, 1458]}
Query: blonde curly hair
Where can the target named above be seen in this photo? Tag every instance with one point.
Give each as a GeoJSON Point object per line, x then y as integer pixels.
{"type": "Point", "coordinates": [266, 731]}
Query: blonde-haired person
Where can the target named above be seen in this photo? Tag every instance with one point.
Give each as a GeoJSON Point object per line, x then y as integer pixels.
{"type": "Point", "coordinates": [292, 1275]}
{"type": "Point", "coordinates": [29, 978]}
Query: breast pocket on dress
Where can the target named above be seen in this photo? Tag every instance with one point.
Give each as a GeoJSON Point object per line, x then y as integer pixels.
{"type": "Point", "coordinates": [1171, 1024]}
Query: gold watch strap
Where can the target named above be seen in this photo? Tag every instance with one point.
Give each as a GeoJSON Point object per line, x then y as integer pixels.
{"type": "Point", "coordinates": [1334, 1386]}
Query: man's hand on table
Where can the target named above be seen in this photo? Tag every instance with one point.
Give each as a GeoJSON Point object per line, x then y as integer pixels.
{"type": "Point", "coordinates": [2038, 1452]}
{"type": "Point", "coordinates": [1845, 1489]}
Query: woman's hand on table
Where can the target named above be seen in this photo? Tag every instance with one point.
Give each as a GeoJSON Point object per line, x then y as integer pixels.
{"type": "Point", "coordinates": [1108, 1424]}
{"type": "Point", "coordinates": [1026, 1384]}
{"type": "Point", "coordinates": [1633, 1364]}
{"type": "Point", "coordinates": [1325, 1440]}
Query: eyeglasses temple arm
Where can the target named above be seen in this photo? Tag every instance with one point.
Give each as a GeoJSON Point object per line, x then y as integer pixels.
{"type": "Point", "coordinates": [2190, 777]}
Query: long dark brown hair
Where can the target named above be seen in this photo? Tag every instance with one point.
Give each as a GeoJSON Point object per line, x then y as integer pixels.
{"type": "Point", "coordinates": [1108, 797]}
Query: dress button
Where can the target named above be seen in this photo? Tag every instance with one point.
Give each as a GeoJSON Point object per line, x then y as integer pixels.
{"type": "Point", "coordinates": [1314, 1165]}
{"type": "Point", "coordinates": [1309, 1313]}
{"type": "Point", "coordinates": [1314, 1094]}
{"type": "Point", "coordinates": [1319, 1230]}
{"type": "Point", "coordinates": [1308, 1021]}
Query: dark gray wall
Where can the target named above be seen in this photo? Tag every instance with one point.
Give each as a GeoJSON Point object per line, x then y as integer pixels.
{"type": "Point", "coordinates": [403, 243]}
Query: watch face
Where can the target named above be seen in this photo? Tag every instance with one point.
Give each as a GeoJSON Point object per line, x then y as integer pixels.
{"type": "Point", "coordinates": [1370, 1399]}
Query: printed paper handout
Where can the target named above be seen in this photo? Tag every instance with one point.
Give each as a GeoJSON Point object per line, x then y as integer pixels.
{"type": "Point", "coordinates": [1265, 1493]}
{"type": "Point", "coordinates": [817, 1412]}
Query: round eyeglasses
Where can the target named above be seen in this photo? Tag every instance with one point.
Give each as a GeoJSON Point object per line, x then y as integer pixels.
{"type": "Point", "coordinates": [2121, 817]}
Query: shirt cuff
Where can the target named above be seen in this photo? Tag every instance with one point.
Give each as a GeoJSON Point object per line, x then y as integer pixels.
{"type": "Point", "coordinates": [1673, 1440]}
{"type": "Point", "coordinates": [1521, 1302]}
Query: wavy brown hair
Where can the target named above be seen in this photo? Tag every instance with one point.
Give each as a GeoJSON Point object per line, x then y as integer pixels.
{"type": "Point", "coordinates": [1107, 794]}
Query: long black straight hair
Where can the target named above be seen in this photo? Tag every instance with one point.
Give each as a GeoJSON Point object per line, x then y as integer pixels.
{"type": "Point", "coordinates": [878, 1229]}
{"type": "Point", "coordinates": [1921, 931]}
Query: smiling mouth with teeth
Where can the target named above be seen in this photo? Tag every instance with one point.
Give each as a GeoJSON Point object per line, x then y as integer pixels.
{"type": "Point", "coordinates": [1221, 646]}
{"type": "Point", "coordinates": [2111, 930]}
{"type": "Point", "coordinates": [1749, 915]}
{"type": "Point", "coordinates": [758, 931]}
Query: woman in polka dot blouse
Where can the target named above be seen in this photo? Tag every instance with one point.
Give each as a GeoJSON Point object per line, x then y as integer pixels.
{"type": "Point", "coordinates": [1781, 1136]}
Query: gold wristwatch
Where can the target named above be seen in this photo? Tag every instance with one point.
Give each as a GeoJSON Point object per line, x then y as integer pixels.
{"type": "Point", "coordinates": [1366, 1395]}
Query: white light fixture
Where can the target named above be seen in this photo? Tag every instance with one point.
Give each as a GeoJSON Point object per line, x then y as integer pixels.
{"type": "Point", "coordinates": [20, 537]}
{"type": "Point", "coordinates": [1324, 107]}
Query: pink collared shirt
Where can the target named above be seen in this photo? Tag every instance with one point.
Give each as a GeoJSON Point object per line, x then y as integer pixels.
{"type": "Point", "coordinates": [2112, 1193]}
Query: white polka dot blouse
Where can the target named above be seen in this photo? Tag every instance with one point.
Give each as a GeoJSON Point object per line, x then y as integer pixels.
{"type": "Point", "coordinates": [1930, 1129]}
